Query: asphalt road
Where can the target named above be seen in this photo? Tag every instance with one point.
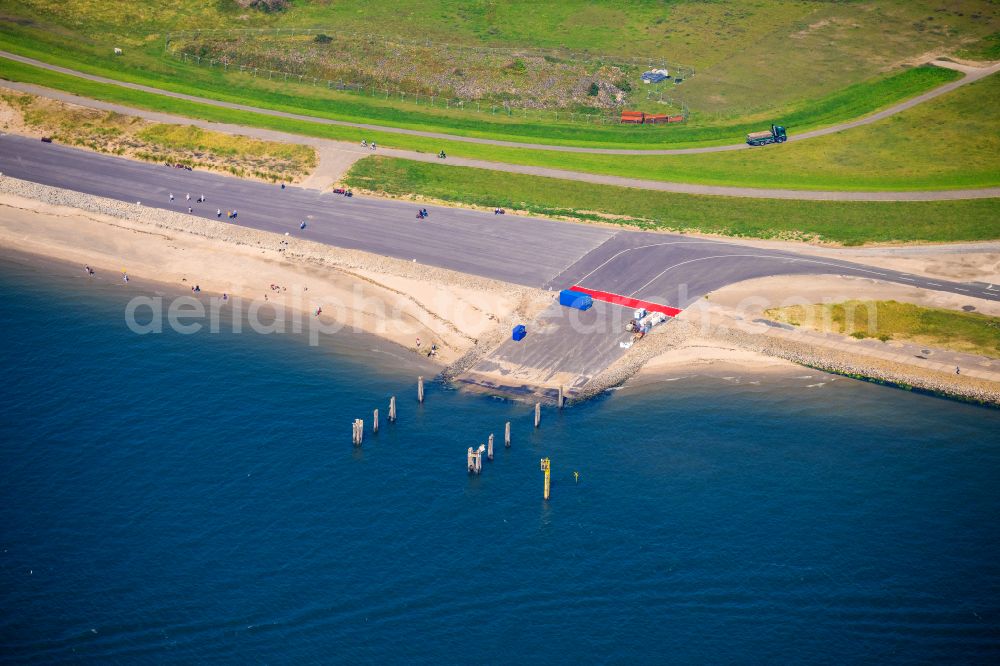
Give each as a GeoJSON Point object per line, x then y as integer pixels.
{"type": "Point", "coordinates": [510, 248]}
{"type": "Point", "coordinates": [669, 269]}
{"type": "Point", "coordinates": [529, 251]}
{"type": "Point", "coordinates": [571, 348]}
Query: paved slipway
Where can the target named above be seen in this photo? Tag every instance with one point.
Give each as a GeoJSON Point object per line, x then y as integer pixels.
{"type": "Point", "coordinates": [337, 156]}
{"type": "Point", "coordinates": [571, 347]}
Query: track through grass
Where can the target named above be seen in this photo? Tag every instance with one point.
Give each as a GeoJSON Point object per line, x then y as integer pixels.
{"type": "Point", "coordinates": [749, 168]}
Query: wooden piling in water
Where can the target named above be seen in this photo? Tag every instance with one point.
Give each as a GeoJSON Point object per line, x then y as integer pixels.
{"type": "Point", "coordinates": [506, 435]}
{"type": "Point", "coordinates": [475, 459]}
{"type": "Point", "coordinates": [375, 421]}
{"type": "Point", "coordinates": [560, 399]}
{"type": "Point", "coordinates": [538, 414]}
{"type": "Point", "coordinates": [489, 447]}
{"type": "Point", "coordinates": [359, 432]}
{"type": "Point", "coordinates": [420, 389]}
{"type": "Point", "coordinates": [546, 467]}
{"type": "Point", "coordinates": [392, 409]}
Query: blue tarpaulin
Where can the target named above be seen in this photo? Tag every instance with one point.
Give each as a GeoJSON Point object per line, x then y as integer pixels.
{"type": "Point", "coordinates": [654, 77]}
{"type": "Point", "coordinates": [519, 332]}
{"type": "Point", "coordinates": [575, 299]}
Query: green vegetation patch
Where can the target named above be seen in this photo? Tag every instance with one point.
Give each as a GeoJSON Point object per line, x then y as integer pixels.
{"type": "Point", "coordinates": [758, 60]}
{"type": "Point", "coordinates": [425, 71]}
{"type": "Point", "coordinates": [968, 332]}
{"type": "Point", "coordinates": [849, 222]}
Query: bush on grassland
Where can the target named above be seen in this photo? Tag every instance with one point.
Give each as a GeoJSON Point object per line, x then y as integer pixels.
{"type": "Point", "coordinates": [264, 5]}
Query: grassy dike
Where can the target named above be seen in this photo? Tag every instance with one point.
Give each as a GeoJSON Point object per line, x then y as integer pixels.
{"type": "Point", "coordinates": [850, 223]}
{"type": "Point", "coordinates": [754, 58]}
{"type": "Point", "coordinates": [968, 332]}
{"type": "Point", "coordinates": [853, 101]}
{"type": "Point", "coordinates": [832, 162]}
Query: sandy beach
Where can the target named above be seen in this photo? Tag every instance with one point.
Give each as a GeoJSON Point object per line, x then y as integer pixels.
{"type": "Point", "coordinates": [409, 304]}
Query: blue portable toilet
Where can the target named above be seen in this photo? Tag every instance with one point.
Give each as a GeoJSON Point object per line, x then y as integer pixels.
{"type": "Point", "coordinates": [575, 299]}
{"type": "Point", "coordinates": [519, 332]}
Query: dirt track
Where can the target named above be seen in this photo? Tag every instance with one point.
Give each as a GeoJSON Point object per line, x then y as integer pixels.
{"type": "Point", "coordinates": [337, 156]}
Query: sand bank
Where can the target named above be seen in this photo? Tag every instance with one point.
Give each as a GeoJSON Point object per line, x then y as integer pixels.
{"type": "Point", "coordinates": [410, 304]}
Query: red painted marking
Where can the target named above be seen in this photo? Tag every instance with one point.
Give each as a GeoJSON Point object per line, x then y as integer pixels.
{"type": "Point", "coordinates": [626, 301]}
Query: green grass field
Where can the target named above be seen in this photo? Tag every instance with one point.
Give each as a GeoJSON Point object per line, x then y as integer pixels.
{"type": "Point", "coordinates": [968, 332]}
{"type": "Point", "coordinates": [754, 57]}
{"type": "Point", "coordinates": [702, 130]}
{"type": "Point", "coordinates": [851, 223]}
{"type": "Point", "coordinates": [886, 159]}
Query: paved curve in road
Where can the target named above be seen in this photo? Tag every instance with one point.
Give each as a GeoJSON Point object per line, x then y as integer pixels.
{"type": "Point", "coordinates": [600, 179]}
{"type": "Point", "coordinates": [669, 269]}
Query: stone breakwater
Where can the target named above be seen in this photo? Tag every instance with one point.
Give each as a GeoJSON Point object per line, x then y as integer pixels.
{"type": "Point", "coordinates": [350, 262]}
{"type": "Point", "coordinates": [804, 352]}
{"type": "Point", "coordinates": [861, 366]}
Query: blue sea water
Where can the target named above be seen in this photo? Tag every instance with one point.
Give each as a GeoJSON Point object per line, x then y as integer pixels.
{"type": "Point", "coordinates": [196, 498]}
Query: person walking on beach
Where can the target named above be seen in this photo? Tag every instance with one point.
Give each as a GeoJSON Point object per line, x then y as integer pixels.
{"type": "Point", "coordinates": [171, 196]}
{"type": "Point", "coordinates": [190, 210]}
{"type": "Point", "coordinates": [958, 370]}
{"type": "Point", "coordinates": [218, 213]}
{"type": "Point", "coordinates": [187, 197]}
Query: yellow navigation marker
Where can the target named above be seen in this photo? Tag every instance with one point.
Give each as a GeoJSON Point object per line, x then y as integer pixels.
{"type": "Point", "coordinates": [546, 467]}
